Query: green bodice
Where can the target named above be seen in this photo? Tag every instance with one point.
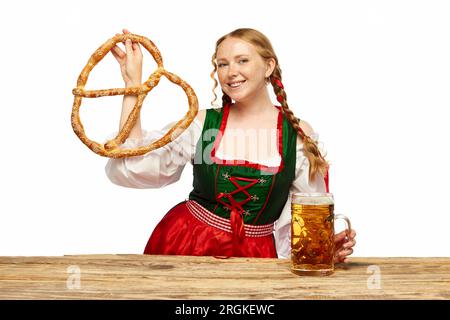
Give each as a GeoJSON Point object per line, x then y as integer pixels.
{"type": "Point", "coordinates": [260, 192]}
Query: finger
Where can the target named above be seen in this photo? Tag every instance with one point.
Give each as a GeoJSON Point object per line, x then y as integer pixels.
{"type": "Point", "coordinates": [338, 253]}
{"type": "Point", "coordinates": [137, 47]}
{"type": "Point", "coordinates": [338, 259]}
{"type": "Point", "coordinates": [342, 253]}
{"type": "Point", "coordinates": [350, 234]}
{"type": "Point", "coordinates": [340, 236]}
{"type": "Point", "coordinates": [115, 54]}
{"type": "Point", "coordinates": [125, 31]}
{"type": "Point", "coordinates": [128, 48]}
{"type": "Point", "coordinates": [349, 244]}
{"type": "Point", "coordinates": [345, 253]}
{"type": "Point", "coordinates": [116, 50]}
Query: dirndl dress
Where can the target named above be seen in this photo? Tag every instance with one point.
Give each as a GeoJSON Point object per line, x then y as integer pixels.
{"type": "Point", "coordinates": [237, 208]}
{"type": "Point", "coordinates": [234, 203]}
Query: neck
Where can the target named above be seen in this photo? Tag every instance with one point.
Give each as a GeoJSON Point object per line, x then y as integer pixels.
{"type": "Point", "coordinates": [254, 106]}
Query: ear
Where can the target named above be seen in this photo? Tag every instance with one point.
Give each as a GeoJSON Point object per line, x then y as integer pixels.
{"type": "Point", "coordinates": [270, 67]}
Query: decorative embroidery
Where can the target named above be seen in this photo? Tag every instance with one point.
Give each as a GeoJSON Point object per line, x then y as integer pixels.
{"type": "Point", "coordinates": [233, 204]}
{"type": "Point", "coordinates": [236, 210]}
{"type": "Point", "coordinates": [262, 180]}
{"type": "Point", "coordinates": [226, 175]}
{"type": "Point", "coordinates": [246, 213]}
{"type": "Point", "coordinates": [255, 197]}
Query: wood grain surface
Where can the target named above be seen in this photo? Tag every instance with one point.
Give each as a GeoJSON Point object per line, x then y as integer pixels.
{"type": "Point", "coordinates": [188, 277]}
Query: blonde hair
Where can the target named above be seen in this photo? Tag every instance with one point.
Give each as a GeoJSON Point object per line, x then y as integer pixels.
{"type": "Point", "coordinates": [265, 50]}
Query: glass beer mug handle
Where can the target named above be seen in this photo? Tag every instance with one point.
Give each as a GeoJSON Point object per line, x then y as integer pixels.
{"type": "Point", "coordinates": [347, 220]}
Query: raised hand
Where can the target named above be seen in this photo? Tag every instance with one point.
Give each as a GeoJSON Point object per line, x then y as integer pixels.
{"type": "Point", "coordinates": [130, 61]}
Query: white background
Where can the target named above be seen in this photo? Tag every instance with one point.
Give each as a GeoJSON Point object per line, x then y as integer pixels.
{"type": "Point", "coordinates": [371, 77]}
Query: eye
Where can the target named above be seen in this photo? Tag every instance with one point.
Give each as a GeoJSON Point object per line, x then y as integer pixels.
{"type": "Point", "coordinates": [221, 64]}
{"type": "Point", "coordinates": [243, 60]}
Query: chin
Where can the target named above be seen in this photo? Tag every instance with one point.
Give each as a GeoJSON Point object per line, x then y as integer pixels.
{"type": "Point", "coordinates": [236, 97]}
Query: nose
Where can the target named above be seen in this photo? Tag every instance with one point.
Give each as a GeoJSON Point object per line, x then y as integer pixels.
{"type": "Point", "coordinates": [233, 70]}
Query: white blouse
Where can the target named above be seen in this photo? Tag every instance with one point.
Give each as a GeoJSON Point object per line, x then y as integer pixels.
{"type": "Point", "coordinates": [165, 165]}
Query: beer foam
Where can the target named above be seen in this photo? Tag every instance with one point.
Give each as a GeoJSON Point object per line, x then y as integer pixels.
{"type": "Point", "coordinates": [313, 198]}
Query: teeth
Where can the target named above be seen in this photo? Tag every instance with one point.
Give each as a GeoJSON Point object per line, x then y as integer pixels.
{"type": "Point", "coordinates": [237, 84]}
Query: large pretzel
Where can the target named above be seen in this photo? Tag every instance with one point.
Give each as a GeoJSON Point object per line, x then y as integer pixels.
{"type": "Point", "coordinates": [110, 148]}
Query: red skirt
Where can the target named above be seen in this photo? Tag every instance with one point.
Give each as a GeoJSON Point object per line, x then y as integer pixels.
{"type": "Point", "coordinates": [181, 233]}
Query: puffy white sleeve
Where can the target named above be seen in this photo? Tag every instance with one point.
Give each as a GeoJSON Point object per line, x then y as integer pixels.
{"type": "Point", "coordinates": [301, 183]}
{"type": "Point", "coordinates": [159, 167]}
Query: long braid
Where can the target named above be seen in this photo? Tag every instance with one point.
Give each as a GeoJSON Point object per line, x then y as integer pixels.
{"type": "Point", "coordinates": [312, 152]}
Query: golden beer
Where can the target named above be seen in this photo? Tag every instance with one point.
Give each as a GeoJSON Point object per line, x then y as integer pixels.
{"type": "Point", "coordinates": [312, 233]}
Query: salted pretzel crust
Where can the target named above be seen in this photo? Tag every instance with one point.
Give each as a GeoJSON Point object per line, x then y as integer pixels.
{"type": "Point", "coordinates": [111, 148]}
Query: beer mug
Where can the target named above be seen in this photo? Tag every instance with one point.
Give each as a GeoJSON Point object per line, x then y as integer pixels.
{"type": "Point", "coordinates": [312, 233]}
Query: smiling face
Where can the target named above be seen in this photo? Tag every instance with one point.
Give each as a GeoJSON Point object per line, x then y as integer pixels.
{"type": "Point", "coordinates": [241, 70]}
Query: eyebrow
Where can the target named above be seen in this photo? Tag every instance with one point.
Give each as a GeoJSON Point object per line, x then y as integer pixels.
{"type": "Point", "coordinates": [240, 55]}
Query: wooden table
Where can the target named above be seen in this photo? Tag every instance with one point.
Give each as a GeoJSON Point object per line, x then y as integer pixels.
{"type": "Point", "coordinates": [186, 277]}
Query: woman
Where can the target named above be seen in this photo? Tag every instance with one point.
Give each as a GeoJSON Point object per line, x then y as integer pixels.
{"type": "Point", "coordinates": [240, 190]}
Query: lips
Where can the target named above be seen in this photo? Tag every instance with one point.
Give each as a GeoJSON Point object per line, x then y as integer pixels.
{"type": "Point", "coordinates": [236, 84]}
